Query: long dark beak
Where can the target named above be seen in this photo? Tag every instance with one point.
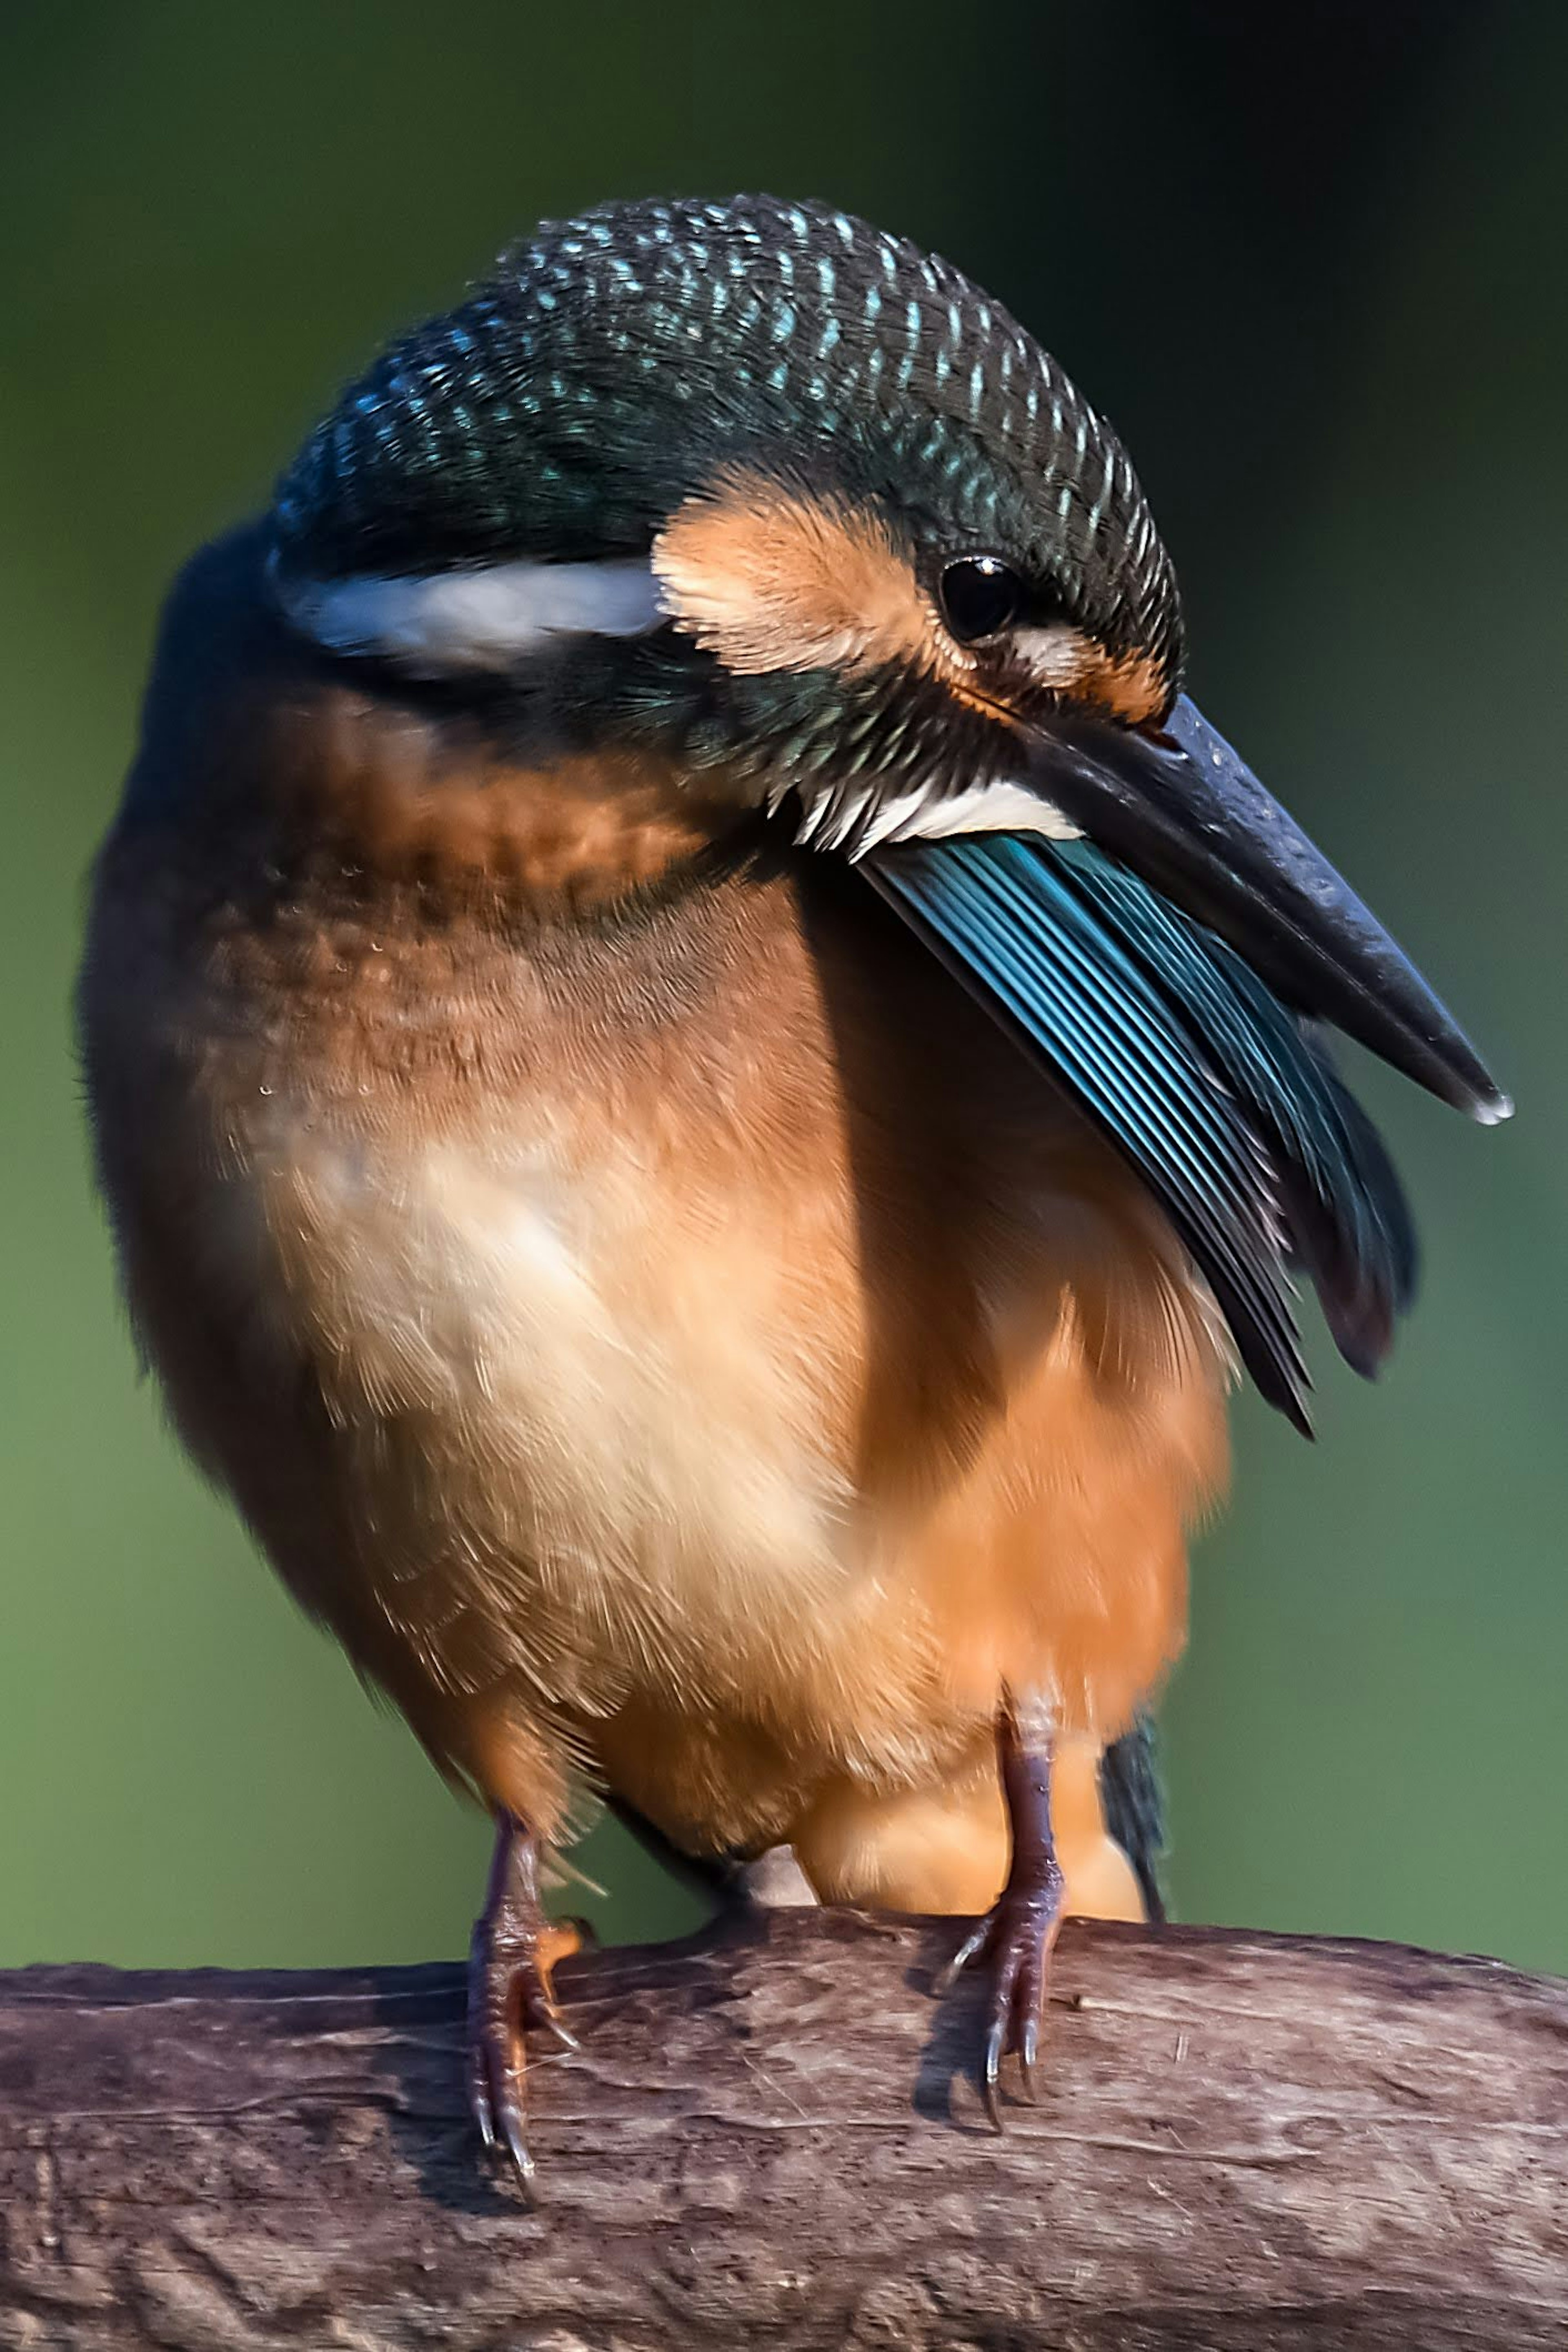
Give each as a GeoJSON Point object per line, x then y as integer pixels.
{"type": "Point", "coordinates": [1187, 815]}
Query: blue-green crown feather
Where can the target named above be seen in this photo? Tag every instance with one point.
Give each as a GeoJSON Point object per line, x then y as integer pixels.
{"type": "Point", "coordinates": [615, 362]}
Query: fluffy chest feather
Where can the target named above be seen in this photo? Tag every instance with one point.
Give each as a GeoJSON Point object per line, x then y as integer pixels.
{"type": "Point", "coordinates": [690, 1321]}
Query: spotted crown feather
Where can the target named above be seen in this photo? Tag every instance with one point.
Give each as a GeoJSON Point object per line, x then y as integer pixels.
{"type": "Point", "coordinates": [615, 360]}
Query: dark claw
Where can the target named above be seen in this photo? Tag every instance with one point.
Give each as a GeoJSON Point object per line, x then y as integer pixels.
{"type": "Point", "coordinates": [517, 2145]}
{"type": "Point", "coordinates": [1030, 2052]}
{"type": "Point", "coordinates": [994, 2041]}
{"type": "Point", "coordinates": [969, 1950]}
{"type": "Point", "coordinates": [479, 2089]}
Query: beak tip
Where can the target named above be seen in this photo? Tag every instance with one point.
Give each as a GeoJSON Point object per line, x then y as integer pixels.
{"type": "Point", "coordinates": [1491, 1109]}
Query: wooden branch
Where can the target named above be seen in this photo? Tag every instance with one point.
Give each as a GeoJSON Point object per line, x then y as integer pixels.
{"type": "Point", "coordinates": [773, 2140]}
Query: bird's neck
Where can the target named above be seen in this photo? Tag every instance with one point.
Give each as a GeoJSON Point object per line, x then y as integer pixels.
{"type": "Point", "coordinates": [272, 768]}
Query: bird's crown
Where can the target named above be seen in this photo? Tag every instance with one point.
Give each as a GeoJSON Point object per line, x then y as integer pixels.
{"type": "Point", "coordinates": [832, 445]}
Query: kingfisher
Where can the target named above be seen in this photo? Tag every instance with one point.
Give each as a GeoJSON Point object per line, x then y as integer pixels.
{"type": "Point", "coordinates": [704, 1074]}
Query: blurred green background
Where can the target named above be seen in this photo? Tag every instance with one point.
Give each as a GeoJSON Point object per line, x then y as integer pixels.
{"type": "Point", "coordinates": [1314, 270]}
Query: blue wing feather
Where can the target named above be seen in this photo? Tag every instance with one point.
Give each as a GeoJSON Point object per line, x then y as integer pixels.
{"type": "Point", "coordinates": [1215, 1091]}
{"type": "Point", "coordinates": [1011, 925]}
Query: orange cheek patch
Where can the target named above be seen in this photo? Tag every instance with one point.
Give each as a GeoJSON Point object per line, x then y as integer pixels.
{"type": "Point", "coordinates": [1132, 685]}
{"type": "Point", "coordinates": [768, 578]}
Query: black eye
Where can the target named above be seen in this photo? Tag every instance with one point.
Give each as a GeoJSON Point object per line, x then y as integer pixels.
{"type": "Point", "coordinates": [980, 596]}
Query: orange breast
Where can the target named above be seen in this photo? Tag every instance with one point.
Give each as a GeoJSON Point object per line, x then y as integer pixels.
{"type": "Point", "coordinates": [687, 1341]}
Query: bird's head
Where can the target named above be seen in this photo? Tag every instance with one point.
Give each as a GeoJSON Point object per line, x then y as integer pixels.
{"type": "Point", "coordinates": [864, 523]}
{"type": "Point", "coordinates": [761, 485]}
{"type": "Point", "coordinates": [792, 502]}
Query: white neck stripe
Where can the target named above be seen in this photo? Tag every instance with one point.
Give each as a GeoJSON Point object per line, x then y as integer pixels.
{"type": "Point", "coordinates": [488, 618]}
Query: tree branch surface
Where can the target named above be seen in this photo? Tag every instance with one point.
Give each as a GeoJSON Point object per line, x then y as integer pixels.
{"type": "Point", "coordinates": [771, 2138]}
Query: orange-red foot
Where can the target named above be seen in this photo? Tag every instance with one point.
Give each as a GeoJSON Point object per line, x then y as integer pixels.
{"type": "Point", "coordinates": [513, 1952]}
{"type": "Point", "coordinates": [1018, 1933]}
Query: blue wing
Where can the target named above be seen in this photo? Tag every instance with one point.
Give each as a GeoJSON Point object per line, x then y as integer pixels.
{"type": "Point", "coordinates": [1210, 1088]}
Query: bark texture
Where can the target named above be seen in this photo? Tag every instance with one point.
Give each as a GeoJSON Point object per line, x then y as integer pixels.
{"type": "Point", "coordinates": [773, 2138]}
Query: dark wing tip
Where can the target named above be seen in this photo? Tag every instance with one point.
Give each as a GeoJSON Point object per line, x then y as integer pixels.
{"type": "Point", "coordinates": [1134, 1806]}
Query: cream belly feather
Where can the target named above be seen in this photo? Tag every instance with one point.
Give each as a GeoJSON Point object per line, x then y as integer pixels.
{"type": "Point", "coordinates": [697, 1388]}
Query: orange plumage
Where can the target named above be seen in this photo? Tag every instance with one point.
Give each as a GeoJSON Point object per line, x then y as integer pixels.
{"type": "Point", "coordinates": [604, 1327]}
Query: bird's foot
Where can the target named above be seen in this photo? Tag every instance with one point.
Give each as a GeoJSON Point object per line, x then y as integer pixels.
{"type": "Point", "coordinates": [1017, 1936]}
{"type": "Point", "coordinates": [514, 1950]}
{"type": "Point", "coordinates": [1015, 1940]}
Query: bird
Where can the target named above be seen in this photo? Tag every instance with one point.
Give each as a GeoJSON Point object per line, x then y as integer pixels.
{"type": "Point", "coordinates": [705, 1075]}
